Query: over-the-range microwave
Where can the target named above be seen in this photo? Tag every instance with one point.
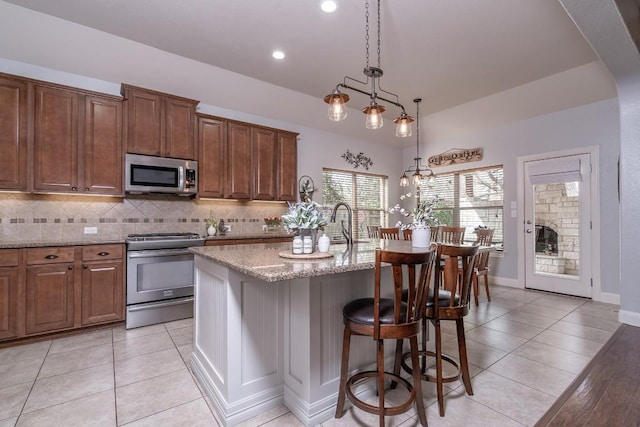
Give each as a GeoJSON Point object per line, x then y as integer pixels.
{"type": "Point", "coordinates": [149, 174]}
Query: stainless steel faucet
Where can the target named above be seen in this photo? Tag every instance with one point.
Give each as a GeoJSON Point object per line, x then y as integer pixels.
{"type": "Point", "coordinates": [346, 232]}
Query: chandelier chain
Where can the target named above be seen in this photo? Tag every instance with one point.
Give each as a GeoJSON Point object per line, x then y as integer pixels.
{"type": "Point", "coordinates": [366, 15]}
{"type": "Point", "coordinates": [378, 33]}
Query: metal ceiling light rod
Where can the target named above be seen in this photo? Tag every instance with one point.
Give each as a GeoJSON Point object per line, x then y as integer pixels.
{"type": "Point", "coordinates": [337, 99]}
{"type": "Point", "coordinates": [419, 170]}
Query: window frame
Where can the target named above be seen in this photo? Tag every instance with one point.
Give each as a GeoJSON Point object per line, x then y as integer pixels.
{"type": "Point", "coordinates": [461, 188]}
{"type": "Point", "coordinates": [332, 230]}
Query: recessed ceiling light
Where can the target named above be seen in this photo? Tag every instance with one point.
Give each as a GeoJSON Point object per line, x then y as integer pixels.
{"type": "Point", "coordinates": [278, 54]}
{"type": "Point", "coordinates": [328, 6]}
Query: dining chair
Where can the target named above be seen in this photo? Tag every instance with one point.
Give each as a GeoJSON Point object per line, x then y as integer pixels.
{"type": "Point", "coordinates": [373, 231]}
{"type": "Point", "coordinates": [484, 238]}
{"type": "Point", "coordinates": [435, 233]}
{"type": "Point", "coordinates": [390, 233]}
{"type": "Point", "coordinates": [452, 235]}
{"type": "Point", "coordinates": [389, 319]}
{"type": "Point", "coordinates": [452, 285]}
{"type": "Point", "coordinates": [407, 233]}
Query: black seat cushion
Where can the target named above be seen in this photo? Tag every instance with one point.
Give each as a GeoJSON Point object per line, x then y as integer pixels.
{"type": "Point", "coordinates": [361, 311]}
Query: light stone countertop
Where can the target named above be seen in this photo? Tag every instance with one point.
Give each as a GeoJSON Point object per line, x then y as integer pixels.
{"type": "Point", "coordinates": [17, 244]}
{"type": "Point", "coordinates": [262, 261]}
{"type": "Point", "coordinates": [5, 244]}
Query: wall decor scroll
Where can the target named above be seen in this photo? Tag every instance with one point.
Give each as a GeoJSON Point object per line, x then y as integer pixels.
{"type": "Point", "coordinates": [455, 156]}
{"type": "Point", "coordinates": [357, 160]}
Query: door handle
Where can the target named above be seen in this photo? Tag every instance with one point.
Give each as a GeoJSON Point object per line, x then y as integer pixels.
{"type": "Point", "coordinates": [529, 230]}
{"type": "Point", "coordinates": [529, 221]}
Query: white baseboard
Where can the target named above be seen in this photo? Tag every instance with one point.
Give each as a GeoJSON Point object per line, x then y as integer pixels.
{"type": "Point", "coordinates": [503, 281]}
{"type": "Point", "coordinates": [629, 317]}
{"type": "Point", "coordinates": [607, 297]}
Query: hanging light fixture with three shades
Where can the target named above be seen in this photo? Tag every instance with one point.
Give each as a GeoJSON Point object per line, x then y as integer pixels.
{"type": "Point", "coordinates": [337, 99]}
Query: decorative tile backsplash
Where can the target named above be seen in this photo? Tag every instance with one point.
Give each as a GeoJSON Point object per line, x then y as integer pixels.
{"type": "Point", "coordinates": [29, 217]}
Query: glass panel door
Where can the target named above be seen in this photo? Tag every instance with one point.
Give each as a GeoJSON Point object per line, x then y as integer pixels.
{"type": "Point", "coordinates": [558, 225]}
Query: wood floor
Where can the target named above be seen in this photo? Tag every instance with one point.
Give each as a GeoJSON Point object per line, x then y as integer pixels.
{"type": "Point", "coordinates": [607, 392]}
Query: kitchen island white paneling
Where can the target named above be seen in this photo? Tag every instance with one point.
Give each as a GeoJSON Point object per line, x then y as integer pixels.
{"type": "Point", "coordinates": [268, 330]}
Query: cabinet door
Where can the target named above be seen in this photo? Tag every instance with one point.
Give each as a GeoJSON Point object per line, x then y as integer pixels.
{"type": "Point", "coordinates": [50, 298]}
{"type": "Point", "coordinates": [179, 138]}
{"type": "Point", "coordinates": [239, 161]}
{"type": "Point", "coordinates": [13, 134]}
{"type": "Point", "coordinates": [8, 302]}
{"type": "Point", "coordinates": [102, 291]}
{"type": "Point", "coordinates": [145, 119]}
{"type": "Point", "coordinates": [264, 164]}
{"type": "Point", "coordinates": [56, 140]}
{"type": "Point", "coordinates": [287, 188]}
{"type": "Point", "coordinates": [212, 140]}
{"type": "Point", "coordinates": [102, 147]}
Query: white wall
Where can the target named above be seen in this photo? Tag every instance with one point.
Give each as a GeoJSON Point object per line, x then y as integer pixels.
{"type": "Point", "coordinates": [593, 124]}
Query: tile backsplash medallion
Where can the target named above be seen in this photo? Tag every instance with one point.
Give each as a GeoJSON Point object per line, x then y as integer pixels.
{"type": "Point", "coordinates": [33, 217]}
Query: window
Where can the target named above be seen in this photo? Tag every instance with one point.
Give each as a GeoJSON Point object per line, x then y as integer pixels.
{"type": "Point", "coordinates": [470, 198]}
{"type": "Point", "coordinates": [365, 193]}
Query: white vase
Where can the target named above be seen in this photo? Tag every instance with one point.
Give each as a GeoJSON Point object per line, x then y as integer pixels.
{"type": "Point", "coordinates": [421, 236]}
{"type": "Point", "coordinates": [211, 230]}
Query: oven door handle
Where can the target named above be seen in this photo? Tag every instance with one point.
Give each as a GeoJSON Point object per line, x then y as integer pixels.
{"type": "Point", "coordinates": [158, 253]}
{"type": "Point", "coordinates": [160, 304]}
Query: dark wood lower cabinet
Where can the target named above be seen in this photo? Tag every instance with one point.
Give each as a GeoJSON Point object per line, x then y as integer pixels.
{"type": "Point", "coordinates": [50, 298]}
{"type": "Point", "coordinates": [102, 292]}
{"type": "Point", "coordinates": [53, 289]}
{"type": "Point", "coordinates": [8, 302]}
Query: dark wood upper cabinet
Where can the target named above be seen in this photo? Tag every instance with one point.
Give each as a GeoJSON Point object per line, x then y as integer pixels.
{"type": "Point", "coordinates": [239, 166]}
{"type": "Point", "coordinates": [13, 133]}
{"type": "Point", "coordinates": [56, 139]}
{"type": "Point", "coordinates": [287, 176]}
{"type": "Point", "coordinates": [78, 142]}
{"type": "Point", "coordinates": [212, 142]}
{"type": "Point", "coordinates": [264, 164]}
{"type": "Point", "coordinates": [101, 170]}
{"type": "Point", "coordinates": [159, 124]}
{"type": "Point", "coordinates": [241, 161]}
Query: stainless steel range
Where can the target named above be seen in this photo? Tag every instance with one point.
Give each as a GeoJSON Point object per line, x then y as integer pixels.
{"type": "Point", "coordinates": [159, 277]}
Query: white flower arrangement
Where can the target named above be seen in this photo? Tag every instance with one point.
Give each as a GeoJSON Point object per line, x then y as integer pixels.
{"type": "Point", "coordinates": [422, 213]}
{"type": "Point", "coordinates": [304, 215]}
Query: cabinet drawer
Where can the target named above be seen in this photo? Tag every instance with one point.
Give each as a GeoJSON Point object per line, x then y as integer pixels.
{"type": "Point", "coordinates": [100, 252]}
{"type": "Point", "coordinates": [50, 255]}
{"type": "Point", "coordinates": [9, 257]}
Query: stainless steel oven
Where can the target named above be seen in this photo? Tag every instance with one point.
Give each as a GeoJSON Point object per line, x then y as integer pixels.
{"type": "Point", "coordinates": [159, 277]}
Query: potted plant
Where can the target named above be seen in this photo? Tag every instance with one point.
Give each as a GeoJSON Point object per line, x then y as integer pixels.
{"type": "Point", "coordinates": [421, 219]}
{"type": "Point", "coordinates": [305, 218]}
{"type": "Point", "coordinates": [212, 224]}
{"type": "Point", "coordinates": [272, 224]}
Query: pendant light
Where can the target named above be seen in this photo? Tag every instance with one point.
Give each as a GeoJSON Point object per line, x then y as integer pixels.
{"type": "Point", "coordinates": [418, 170]}
{"type": "Point", "coordinates": [337, 99]}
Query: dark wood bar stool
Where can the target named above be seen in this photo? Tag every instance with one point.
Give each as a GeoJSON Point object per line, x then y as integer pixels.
{"type": "Point", "coordinates": [391, 233]}
{"type": "Point", "coordinates": [481, 268]}
{"type": "Point", "coordinates": [453, 287]}
{"type": "Point", "coordinates": [389, 318]}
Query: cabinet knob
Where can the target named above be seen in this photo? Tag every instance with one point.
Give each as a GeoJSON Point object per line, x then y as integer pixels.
{"type": "Point", "coordinates": [103, 253]}
{"type": "Point", "coordinates": [70, 267]}
{"type": "Point", "coordinates": [52, 256]}
{"type": "Point", "coordinates": [74, 188]}
{"type": "Point", "coordinates": [86, 189]}
{"type": "Point", "coordinates": [85, 266]}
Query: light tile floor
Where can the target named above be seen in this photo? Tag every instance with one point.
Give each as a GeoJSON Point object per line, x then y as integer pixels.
{"type": "Point", "coordinates": [525, 348]}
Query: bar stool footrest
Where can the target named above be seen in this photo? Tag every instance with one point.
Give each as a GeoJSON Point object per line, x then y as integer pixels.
{"type": "Point", "coordinates": [372, 409]}
{"type": "Point", "coordinates": [423, 371]}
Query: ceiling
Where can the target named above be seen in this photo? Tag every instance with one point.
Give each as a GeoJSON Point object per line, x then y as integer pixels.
{"type": "Point", "coordinates": [446, 52]}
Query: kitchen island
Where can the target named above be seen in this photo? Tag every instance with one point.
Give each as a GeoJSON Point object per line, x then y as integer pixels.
{"type": "Point", "coordinates": [268, 330]}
